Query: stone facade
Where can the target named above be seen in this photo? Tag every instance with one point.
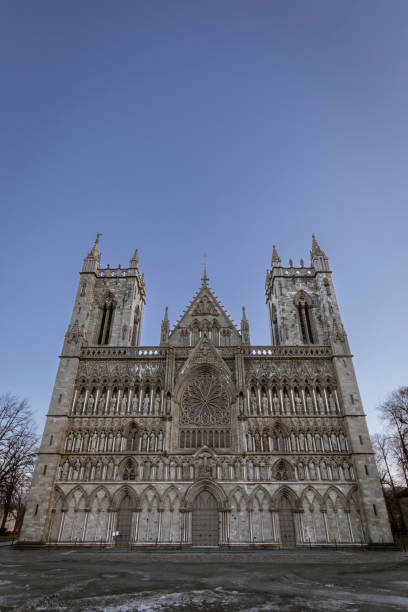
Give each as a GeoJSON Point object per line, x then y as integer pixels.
{"type": "Point", "coordinates": [206, 439]}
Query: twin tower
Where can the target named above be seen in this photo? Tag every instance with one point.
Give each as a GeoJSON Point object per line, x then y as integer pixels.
{"type": "Point", "coordinates": [205, 440]}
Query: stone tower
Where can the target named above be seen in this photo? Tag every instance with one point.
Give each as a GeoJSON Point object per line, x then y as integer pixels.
{"type": "Point", "coordinates": [204, 439]}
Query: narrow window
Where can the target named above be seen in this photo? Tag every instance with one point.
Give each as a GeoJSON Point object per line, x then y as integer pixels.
{"type": "Point", "coordinates": [375, 509]}
{"type": "Point", "coordinates": [351, 398]}
{"type": "Point", "coordinates": [106, 322]}
{"type": "Point", "coordinates": [60, 398]}
{"type": "Point", "coordinates": [302, 325]}
{"type": "Point", "coordinates": [51, 440]}
{"type": "Point", "coordinates": [182, 439]}
{"type": "Point", "coordinates": [44, 470]}
{"type": "Point", "coordinates": [309, 327]}
{"type": "Point", "coordinates": [366, 469]}
{"type": "Point", "coordinates": [361, 439]}
{"type": "Point", "coordinates": [36, 510]}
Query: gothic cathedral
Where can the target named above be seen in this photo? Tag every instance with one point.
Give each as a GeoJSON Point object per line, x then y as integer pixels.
{"type": "Point", "coordinates": [206, 440]}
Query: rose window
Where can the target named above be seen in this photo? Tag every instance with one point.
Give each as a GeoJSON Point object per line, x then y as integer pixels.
{"type": "Point", "coordinates": [205, 402]}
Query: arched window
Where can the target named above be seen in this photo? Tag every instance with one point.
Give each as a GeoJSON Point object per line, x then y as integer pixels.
{"type": "Point", "coordinates": [274, 326]}
{"type": "Point", "coordinates": [106, 321]}
{"type": "Point", "coordinates": [136, 327]}
{"type": "Point", "coordinates": [303, 303]}
{"type": "Point", "coordinates": [129, 471]}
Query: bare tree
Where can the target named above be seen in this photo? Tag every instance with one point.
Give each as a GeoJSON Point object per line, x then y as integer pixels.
{"type": "Point", "coordinates": [18, 449]}
{"type": "Point", "coordinates": [394, 411]}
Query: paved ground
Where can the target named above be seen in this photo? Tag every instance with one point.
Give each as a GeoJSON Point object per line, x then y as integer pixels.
{"type": "Point", "coordinates": [263, 581]}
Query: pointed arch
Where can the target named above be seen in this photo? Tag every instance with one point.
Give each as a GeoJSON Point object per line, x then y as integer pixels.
{"type": "Point", "coordinates": [94, 494]}
{"type": "Point", "coordinates": [205, 485]}
{"type": "Point", "coordinates": [339, 498]}
{"type": "Point", "coordinates": [121, 493]}
{"type": "Point", "coordinates": [315, 495]}
{"type": "Point", "coordinates": [285, 491]}
{"type": "Point", "coordinates": [149, 496]}
{"type": "Point", "coordinates": [260, 495]}
{"type": "Point", "coordinates": [172, 494]}
{"type": "Point", "coordinates": [81, 499]}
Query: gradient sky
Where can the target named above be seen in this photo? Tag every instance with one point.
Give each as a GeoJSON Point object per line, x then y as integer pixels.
{"type": "Point", "coordinates": [189, 126]}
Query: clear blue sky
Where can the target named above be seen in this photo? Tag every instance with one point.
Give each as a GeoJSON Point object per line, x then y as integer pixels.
{"type": "Point", "coordinates": [218, 126]}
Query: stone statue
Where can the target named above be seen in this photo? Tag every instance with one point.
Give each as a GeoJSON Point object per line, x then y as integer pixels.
{"type": "Point", "coordinates": [91, 402]}
{"type": "Point", "coordinates": [113, 403]}
{"type": "Point", "coordinates": [146, 403]}
{"type": "Point", "coordinates": [124, 403]}
{"type": "Point", "coordinates": [157, 403]}
{"type": "Point", "coordinates": [135, 403]}
{"type": "Point", "coordinates": [264, 404]}
{"type": "Point", "coordinates": [254, 404]}
{"type": "Point", "coordinates": [276, 404]}
{"type": "Point", "coordinates": [298, 404]}
{"type": "Point", "coordinates": [102, 404]}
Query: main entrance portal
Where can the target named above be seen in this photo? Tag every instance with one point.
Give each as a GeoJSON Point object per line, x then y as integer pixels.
{"type": "Point", "coordinates": [124, 525]}
{"type": "Point", "coordinates": [286, 524]}
{"type": "Point", "coordinates": [205, 520]}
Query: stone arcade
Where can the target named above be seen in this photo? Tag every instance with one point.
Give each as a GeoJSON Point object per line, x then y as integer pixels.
{"type": "Point", "coordinates": [206, 440]}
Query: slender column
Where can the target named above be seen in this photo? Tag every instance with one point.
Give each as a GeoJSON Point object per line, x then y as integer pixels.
{"type": "Point", "coordinates": [325, 525]}
{"type": "Point", "coordinates": [85, 525]}
{"type": "Point", "coordinates": [61, 525]}
{"type": "Point", "coordinates": [160, 511]}
{"type": "Point", "coordinates": [326, 403]}
{"type": "Point", "coordinates": [95, 406]}
{"type": "Point", "coordinates": [336, 400]}
{"type": "Point", "coordinates": [258, 395]}
{"type": "Point", "coordinates": [315, 401]}
{"type": "Point", "coordinates": [151, 405]}
{"type": "Point", "coordinates": [350, 526]}
{"type": "Point", "coordinates": [304, 400]}
{"type": "Point", "coordinates": [270, 401]}
{"type": "Point", "coordinates": [250, 526]}
{"type": "Point", "coordinates": [85, 401]}
{"type": "Point", "coordinates": [108, 394]}
{"type": "Point", "coordinates": [74, 402]}
{"type": "Point", "coordinates": [292, 396]}
{"type": "Point", "coordinates": [281, 400]}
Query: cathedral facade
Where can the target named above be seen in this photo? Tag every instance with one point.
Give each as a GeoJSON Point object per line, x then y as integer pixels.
{"type": "Point", "coordinates": [204, 439]}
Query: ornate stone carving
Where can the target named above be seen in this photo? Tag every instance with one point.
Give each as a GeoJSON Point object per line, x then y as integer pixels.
{"type": "Point", "coordinates": [204, 307]}
{"type": "Point", "coordinates": [205, 402]}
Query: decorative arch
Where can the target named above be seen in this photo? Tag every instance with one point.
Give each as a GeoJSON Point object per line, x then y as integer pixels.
{"type": "Point", "coordinates": [340, 498]}
{"type": "Point", "coordinates": [95, 492]}
{"type": "Point", "coordinates": [316, 497]}
{"type": "Point", "coordinates": [205, 485]}
{"type": "Point", "coordinates": [120, 494]}
{"type": "Point", "coordinates": [72, 494]}
{"type": "Point", "coordinates": [287, 492]}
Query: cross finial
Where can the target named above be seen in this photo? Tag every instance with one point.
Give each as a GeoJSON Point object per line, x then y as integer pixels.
{"type": "Point", "coordinates": [205, 277]}
{"type": "Point", "coordinates": [98, 235]}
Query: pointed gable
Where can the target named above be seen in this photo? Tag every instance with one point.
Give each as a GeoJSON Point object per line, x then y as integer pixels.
{"type": "Point", "coordinates": [205, 315]}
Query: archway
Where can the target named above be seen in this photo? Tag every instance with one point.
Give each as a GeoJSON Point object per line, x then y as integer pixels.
{"type": "Point", "coordinates": [205, 525]}
{"type": "Point", "coordinates": [124, 523]}
{"type": "Point", "coordinates": [286, 523]}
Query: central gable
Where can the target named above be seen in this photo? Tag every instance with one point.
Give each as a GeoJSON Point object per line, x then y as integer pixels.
{"type": "Point", "coordinates": [205, 316]}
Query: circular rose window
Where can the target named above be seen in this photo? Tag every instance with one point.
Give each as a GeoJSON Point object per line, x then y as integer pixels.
{"type": "Point", "coordinates": [205, 402]}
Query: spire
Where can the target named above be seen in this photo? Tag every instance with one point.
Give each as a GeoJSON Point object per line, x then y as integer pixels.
{"type": "Point", "coordinates": [165, 328]}
{"type": "Point", "coordinates": [245, 328]}
{"type": "Point", "coordinates": [316, 250]}
{"type": "Point", "coordinates": [205, 279]}
{"type": "Point", "coordinates": [276, 260]}
{"type": "Point", "coordinates": [134, 262]}
{"type": "Point", "coordinates": [318, 258]}
{"type": "Point", "coordinates": [93, 259]}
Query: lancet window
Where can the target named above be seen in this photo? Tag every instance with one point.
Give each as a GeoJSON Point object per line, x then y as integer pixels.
{"type": "Point", "coordinates": [106, 321]}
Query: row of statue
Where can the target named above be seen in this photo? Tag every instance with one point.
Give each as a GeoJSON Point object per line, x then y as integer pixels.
{"type": "Point", "coordinates": [147, 402]}
{"type": "Point", "coordinates": [274, 441]}
{"type": "Point", "coordinates": [90, 470]}
{"type": "Point", "coordinates": [288, 401]}
{"type": "Point", "coordinates": [100, 441]}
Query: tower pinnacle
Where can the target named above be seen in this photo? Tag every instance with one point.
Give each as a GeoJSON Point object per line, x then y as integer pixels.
{"type": "Point", "coordinates": [276, 260]}
{"type": "Point", "coordinates": [205, 279]}
{"type": "Point", "coordinates": [134, 262]}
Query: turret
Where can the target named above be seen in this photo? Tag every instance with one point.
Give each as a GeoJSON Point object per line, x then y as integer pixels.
{"type": "Point", "coordinates": [318, 258]}
{"type": "Point", "coordinates": [165, 328]}
{"type": "Point", "coordinates": [245, 328]}
{"type": "Point", "coordinates": [92, 261]}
